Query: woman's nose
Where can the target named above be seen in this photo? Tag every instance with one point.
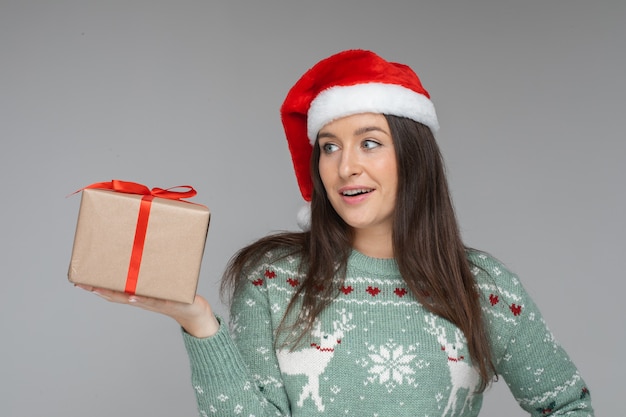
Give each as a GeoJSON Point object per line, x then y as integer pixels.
{"type": "Point", "coordinates": [350, 163]}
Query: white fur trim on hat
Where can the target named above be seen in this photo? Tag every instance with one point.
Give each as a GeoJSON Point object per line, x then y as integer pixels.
{"type": "Point", "coordinates": [393, 99]}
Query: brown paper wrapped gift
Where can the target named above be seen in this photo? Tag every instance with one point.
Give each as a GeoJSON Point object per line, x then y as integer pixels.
{"type": "Point", "coordinates": [165, 265]}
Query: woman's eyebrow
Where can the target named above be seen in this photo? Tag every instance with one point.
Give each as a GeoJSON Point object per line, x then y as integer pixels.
{"type": "Point", "coordinates": [359, 131]}
{"type": "Point", "coordinates": [365, 129]}
{"type": "Point", "coordinates": [321, 135]}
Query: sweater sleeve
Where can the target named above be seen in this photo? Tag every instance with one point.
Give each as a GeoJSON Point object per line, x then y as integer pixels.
{"type": "Point", "coordinates": [538, 371]}
{"type": "Point", "coordinates": [238, 374]}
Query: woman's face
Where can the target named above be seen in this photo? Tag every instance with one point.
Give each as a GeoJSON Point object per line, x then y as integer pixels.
{"type": "Point", "coordinates": [359, 171]}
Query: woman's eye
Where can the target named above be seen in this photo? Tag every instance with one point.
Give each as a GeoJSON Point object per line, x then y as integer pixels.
{"type": "Point", "coordinates": [329, 147]}
{"type": "Point", "coordinates": [370, 144]}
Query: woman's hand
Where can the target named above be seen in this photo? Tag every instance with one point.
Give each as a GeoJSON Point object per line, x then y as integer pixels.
{"type": "Point", "coordinates": [197, 318]}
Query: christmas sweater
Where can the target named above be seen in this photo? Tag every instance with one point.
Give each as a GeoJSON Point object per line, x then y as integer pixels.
{"type": "Point", "coordinates": [376, 351]}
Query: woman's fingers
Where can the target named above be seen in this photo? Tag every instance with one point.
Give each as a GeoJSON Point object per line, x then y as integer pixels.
{"type": "Point", "coordinates": [109, 295]}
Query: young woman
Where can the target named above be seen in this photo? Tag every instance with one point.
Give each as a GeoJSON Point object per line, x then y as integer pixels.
{"type": "Point", "coordinates": [377, 308]}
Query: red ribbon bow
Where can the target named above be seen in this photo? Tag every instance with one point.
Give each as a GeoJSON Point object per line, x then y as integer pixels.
{"type": "Point", "coordinates": [135, 188]}
{"type": "Point", "coordinates": [142, 219]}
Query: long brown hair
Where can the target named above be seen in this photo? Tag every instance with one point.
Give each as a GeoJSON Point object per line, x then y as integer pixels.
{"type": "Point", "coordinates": [427, 246]}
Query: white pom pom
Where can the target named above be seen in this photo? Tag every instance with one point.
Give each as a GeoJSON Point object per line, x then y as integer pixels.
{"type": "Point", "coordinates": [304, 217]}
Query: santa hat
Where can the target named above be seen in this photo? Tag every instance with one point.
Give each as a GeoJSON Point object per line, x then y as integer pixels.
{"type": "Point", "coordinates": [347, 83]}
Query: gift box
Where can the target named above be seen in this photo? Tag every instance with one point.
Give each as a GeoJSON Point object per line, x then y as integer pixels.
{"type": "Point", "coordinates": [140, 241]}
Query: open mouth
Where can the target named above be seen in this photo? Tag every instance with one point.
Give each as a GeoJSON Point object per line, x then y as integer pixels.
{"type": "Point", "coordinates": [355, 192]}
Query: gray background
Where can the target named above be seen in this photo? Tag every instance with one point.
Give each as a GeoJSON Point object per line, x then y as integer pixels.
{"type": "Point", "coordinates": [530, 96]}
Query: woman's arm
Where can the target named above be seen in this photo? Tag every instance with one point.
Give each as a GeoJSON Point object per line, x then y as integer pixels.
{"type": "Point", "coordinates": [538, 371]}
{"type": "Point", "coordinates": [226, 382]}
{"type": "Point", "coordinates": [237, 372]}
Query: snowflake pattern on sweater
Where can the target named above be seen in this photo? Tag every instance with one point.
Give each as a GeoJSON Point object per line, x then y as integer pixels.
{"type": "Point", "coordinates": [376, 351]}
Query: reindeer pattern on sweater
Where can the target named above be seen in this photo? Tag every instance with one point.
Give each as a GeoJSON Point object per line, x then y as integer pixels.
{"type": "Point", "coordinates": [376, 351]}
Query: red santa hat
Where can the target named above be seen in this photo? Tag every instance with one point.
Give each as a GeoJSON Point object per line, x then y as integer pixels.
{"type": "Point", "coordinates": [347, 83]}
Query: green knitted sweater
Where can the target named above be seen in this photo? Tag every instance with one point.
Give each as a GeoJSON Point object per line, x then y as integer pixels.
{"type": "Point", "coordinates": [375, 351]}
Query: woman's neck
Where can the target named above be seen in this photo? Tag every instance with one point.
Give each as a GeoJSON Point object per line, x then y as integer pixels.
{"type": "Point", "coordinates": [373, 243]}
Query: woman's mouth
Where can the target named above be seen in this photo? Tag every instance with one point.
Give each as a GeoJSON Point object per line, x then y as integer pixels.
{"type": "Point", "coordinates": [355, 192]}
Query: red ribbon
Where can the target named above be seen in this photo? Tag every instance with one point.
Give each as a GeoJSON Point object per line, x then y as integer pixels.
{"type": "Point", "coordinates": [142, 219]}
{"type": "Point", "coordinates": [135, 188]}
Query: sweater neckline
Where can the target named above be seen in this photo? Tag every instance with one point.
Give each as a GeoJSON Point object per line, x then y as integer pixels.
{"type": "Point", "coordinates": [378, 266]}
